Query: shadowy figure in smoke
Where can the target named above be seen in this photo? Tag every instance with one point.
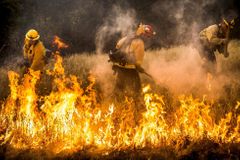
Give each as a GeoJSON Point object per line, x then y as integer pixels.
{"type": "Point", "coordinates": [215, 38]}
{"type": "Point", "coordinates": [127, 59]}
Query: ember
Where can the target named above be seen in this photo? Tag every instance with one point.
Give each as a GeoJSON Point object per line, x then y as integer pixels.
{"type": "Point", "coordinates": [58, 42]}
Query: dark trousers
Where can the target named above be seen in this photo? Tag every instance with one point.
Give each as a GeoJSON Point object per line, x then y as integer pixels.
{"type": "Point", "coordinates": [128, 82]}
{"type": "Point", "coordinates": [207, 52]}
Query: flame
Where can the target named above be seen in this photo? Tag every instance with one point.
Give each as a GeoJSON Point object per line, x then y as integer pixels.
{"type": "Point", "coordinates": [70, 118]}
{"type": "Point", "coordinates": [57, 41]}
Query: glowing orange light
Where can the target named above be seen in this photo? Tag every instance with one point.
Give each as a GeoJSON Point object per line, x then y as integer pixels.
{"type": "Point", "coordinates": [59, 43]}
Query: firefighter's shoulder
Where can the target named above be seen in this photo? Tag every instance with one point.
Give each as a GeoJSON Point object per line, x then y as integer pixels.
{"type": "Point", "coordinates": [212, 28]}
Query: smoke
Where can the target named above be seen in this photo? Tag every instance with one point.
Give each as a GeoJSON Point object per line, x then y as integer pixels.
{"type": "Point", "coordinates": [178, 67]}
{"type": "Point", "coordinates": [104, 75]}
{"type": "Point", "coordinates": [179, 22]}
{"type": "Point", "coordinates": [79, 22]}
{"type": "Point", "coordinates": [180, 70]}
{"type": "Point", "coordinates": [119, 21]}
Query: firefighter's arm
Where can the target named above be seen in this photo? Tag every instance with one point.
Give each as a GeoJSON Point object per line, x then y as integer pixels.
{"type": "Point", "coordinates": [38, 60]}
{"type": "Point", "coordinates": [26, 62]}
{"type": "Point", "coordinates": [24, 52]}
{"type": "Point", "coordinates": [25, 49]}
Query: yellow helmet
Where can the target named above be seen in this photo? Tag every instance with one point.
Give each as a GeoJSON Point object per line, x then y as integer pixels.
{"type": "Point", "coordinates": [32, 34]}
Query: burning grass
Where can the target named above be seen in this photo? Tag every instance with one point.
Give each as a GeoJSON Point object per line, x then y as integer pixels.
{"type": "Point", "coordinates": [67, 114]}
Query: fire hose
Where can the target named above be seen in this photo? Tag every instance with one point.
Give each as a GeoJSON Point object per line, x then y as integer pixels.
{"type": "Point", "coordinates": [120, 58]}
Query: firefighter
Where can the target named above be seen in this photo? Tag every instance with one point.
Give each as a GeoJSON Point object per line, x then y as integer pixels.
{"type": "Point", "coordinates": [213, 38]}
{"type": "Point", "coordinates": [33, 51]}
{"type": "Point", "coordinates": [127, 60]}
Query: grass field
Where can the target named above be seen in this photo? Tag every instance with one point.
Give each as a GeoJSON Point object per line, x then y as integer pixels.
{"type": "Point", "coordinates": [176, 72]}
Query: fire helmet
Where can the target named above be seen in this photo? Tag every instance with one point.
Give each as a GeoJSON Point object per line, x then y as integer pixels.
{"type": "Point", "coordinates": [228, 23]}
{"type": "Point", "coordinates": [145, 30]}
{"type": "Point", "coordinates": [32, 34]}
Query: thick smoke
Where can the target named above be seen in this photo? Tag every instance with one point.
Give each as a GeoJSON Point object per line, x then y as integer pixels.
{"type": "Point", "coordinates": [119, 21]}
{"type": "Point", "coordinates": [180, 21]}
{"type": "Point", "coordinates": [180, 70]}
{"type": "Point", "coordinates": [177, 67]}
{"type": "Point", "coordinates": [78, 21]}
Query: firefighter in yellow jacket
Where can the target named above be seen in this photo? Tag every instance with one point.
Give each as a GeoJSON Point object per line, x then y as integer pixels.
{"type": "Point", "coordinates": [34, 51]}
{"type": "Point", "coordinates": [127, 60]}
{"type": "Point", "coordinates": [214, 38]}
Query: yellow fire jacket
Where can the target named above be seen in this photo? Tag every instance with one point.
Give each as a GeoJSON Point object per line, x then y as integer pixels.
{"type": "Point", "coordinates": [35, 54]}
{"type": "Point", "coordinates": [134, 49]}
{"type": "Point", "coordinates": [210, 35]}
